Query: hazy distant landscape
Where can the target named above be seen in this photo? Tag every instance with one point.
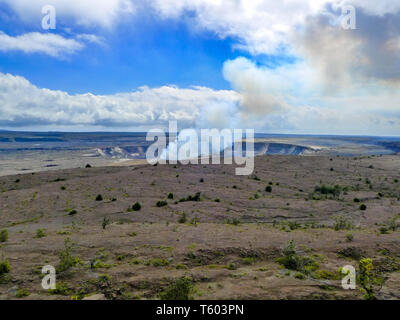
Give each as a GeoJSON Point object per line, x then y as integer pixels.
{"type": "Point", "coordinates": [27, 152]}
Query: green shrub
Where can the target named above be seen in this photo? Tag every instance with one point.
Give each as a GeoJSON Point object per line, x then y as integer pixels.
{"type": "Point", "coordinates": [196, 197]}
{"type": "Point", "coordinates": [67, 260]}
{"type": "Point", "coordinates": [231, 266]}
{"type": "Point", "coordinates": [99, 197]}
{"type": "Point", "coordinates": [248, 260]}
{"type": "Point", "coordinates": [61, 289]}
{"type": "Point", "coordinates": [234, 221]}
{"type": "Point", "coordinates": [40, 233]}
{"type": "Point", "coordinates": [349, 237]}
{"type": "Point", "coordinates": [170, 195]}
{"type": "Point", "coordinates": [341, 223]}
{"type": "Point", "coordinates": [179, 289]}
{"type": "Point", "coordinates": [299, 275]}
{"type": "Point", "coordinates": [73, 212]}
{"type": "Point", "coordinates": [365, 278]}
{"type": "Point", "coordinates": [105, 223]}
{"type": "Point", "coordinates": [384, 230]}
{"type": "Point", "coordinates": [326, 190]}
{"type": "Point", "coordinates": [22, 293]}
{"type": "Point", "coordinates": [182, 218]}
{"type": "Point", "coordinates": [157, 262]}
{"type": "Point", "coordinates": [268, 189]}
{"type": "Point", "coordinates": [161, 203]}
{"type": "Point", "coordinates": [293, 261]}
{"type": "Point", "coordinates": [356, 200]}
{"type": "Point", "coordinates": [362, 207]}
{"type": "Point", "coordinates": [4, 267]}
{"type": "Point", "coordinates": [3, 235]}
{"type": "Point", "coordinates": [137, 206]}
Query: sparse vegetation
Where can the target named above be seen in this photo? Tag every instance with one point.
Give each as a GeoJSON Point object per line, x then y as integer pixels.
{"type": "Point", "coordinates": [179, 289]}
{"type": "Point", "coordinates": [4, 266]}
{"type": "Point", "coordinates": [99, 197]}
{"type": "Point", "coordinates": [182, 218]}
{"type": "Point", "coordinates": [3, 235]}
{"type": "Point", "coordinates": [349, 236]}
{"type": "Point", "coordinates": [328, 190]}
{"type": "Point", "coordinates": [196, 197]}
{"type": "Point", "coordinates": [67, 260]}
{"type": "Point", "coordinates": [293, 261]}
{"type": "Point", "coordinates": [137, 206]}
{"type": "Point", "coordinates": [365, 278]}
{"type": "Point", "coordinates": [342, 223]}
{"type": "Point", "coordinates": [105, 223]}
{"type": "Point", "coordinates": [72, 212]}
{"type": "Point", "coordinates": [161, 203]}
{"type": "Point", "coordinates": [21, 293]}
{"type": "Point", "coordinates": [40, 233]}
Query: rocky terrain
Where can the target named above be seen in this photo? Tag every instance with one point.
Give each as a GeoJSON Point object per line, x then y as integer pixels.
{"type": "Point", "coordinates": [146, 232]}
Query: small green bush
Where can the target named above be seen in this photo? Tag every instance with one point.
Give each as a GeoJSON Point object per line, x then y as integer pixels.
{"type": "Point", "coordinates": [341, 223]}
{"type": "Point", "coordinates": [362, 207]}
{"type": "Point", "coordinates": [182, 218]}
{"type": "Point", "coordinates": [179, 289]}
{"type": "Point", "coordinates": [105, 223]}
{"type": "Point", "coordinates": [231, 266]}
{"type": "Point", "coordinates": [161, 203]}
{"type": "Point", "coordinates": [137, 206]}
{"type": "Point", "coordinates": [40, 233]}
{"type": "Point", "coordinates": [268, 189]}
{"type": "Point", "coordinates": [349, 237]}
{"type": "Point", "coordinates": [22, 293]}
{"type": "Point", "coordinates": [67, 260]}
{"type": "Point", "coordinates": [61, 289]}
{"type": "Point", "coordinates": [4, 267]}
{"type": "Point", "coordinates": [3, 235]}
{"type": "Point", "coordinates": [365, 278]}
{"type": "Point", "coordinates": [326, 190]}
{"type": "Point", "coordinates": [157, 262]}
{"type": "Point", "coordinates": [293, 261]}
{"type": "Point", "coordinates": [170, 195]}
{"type": "Point", "coordinates": [248, 260]}
{"type": "Point", "coordinates": [99, 197]}
{"type": "Point", "coordinates": [196, 197]}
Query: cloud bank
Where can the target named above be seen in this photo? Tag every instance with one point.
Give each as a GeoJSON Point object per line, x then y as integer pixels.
{"type": "Point", "coordinates": [341, 81]}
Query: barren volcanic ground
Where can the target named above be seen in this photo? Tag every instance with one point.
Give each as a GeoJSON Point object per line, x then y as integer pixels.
{"type": "Point", "coordinates": [226, 232]}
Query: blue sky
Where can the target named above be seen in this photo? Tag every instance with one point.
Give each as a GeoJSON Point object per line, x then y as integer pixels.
{"type": "Point", "coordinates": [132, 65]}
{"type": "Point", "coordinates": [136, 53]}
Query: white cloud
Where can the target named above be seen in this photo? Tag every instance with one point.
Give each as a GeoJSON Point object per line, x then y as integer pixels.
{"type": "Point", "coordinates": [51, 44]}
{"type": "Point", "coordinates": [102, 13]}
{"type": "Point", "coordinates": [291, 98]}
{"type": "Point", "coordinates": [33, 42]}
{"type": "Point", "coordinates": [24, 105]}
